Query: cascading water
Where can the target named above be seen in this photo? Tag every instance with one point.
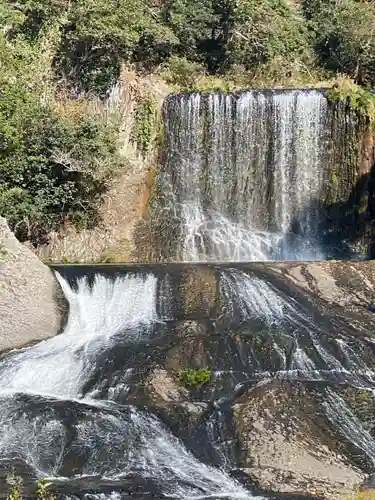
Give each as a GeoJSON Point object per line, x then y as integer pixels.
{"type": "Point", "coordinates": [64, 404]}
{"type": "Point", "coordinates": [241, 181]}
{"type": "Point", "coordinates": [243, 175]}
{"type": "Point", "coordinates": [48, 420]}
{"type": "Point", "coordinates": [300, 347]}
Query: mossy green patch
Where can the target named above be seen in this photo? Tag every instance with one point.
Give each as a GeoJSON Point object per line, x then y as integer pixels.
{"type": "Point", "coordinates": [190, 377]}
{"type": "Point", "coordinates": [359, 99]}
{"type": "Point", "coordinates": [144, 128]}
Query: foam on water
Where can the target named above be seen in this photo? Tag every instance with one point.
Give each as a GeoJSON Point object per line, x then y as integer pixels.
{"type": "Point", "coordinates": [99, 316]}
{"type": "Point", "coordinates": [43, 422]}
{"type": "Point", "coordinates": [242, 173]}
{"type": "Point", "coordinates": [247, 299]}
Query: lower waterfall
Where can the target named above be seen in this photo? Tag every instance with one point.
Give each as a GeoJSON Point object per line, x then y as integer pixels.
{"type": "Point", "coordinates": [48, 420]}
{"type": "Point", "coordinates": [75, 409]}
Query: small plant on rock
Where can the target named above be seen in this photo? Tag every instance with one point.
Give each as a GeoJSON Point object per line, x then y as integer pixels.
{"type": "Point", "coordinates": [190, 377]}
{"type": "Point", "coordinates": [42, 490]}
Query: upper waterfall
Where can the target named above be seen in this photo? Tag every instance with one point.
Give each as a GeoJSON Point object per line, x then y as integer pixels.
{"type": "Point", "coordinates": [242, 175]}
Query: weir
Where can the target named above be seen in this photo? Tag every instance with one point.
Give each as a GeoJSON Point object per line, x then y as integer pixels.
{"type": "Point", "coordinates": [113, 406]}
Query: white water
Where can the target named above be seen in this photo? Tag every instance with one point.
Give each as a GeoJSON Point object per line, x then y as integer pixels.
{"type": "Point", "coordinates": [349, 425]}
{"type": "Point", "coordinates": [115, 441]}
{"type": "Point", "coordinates": [243, 171]}
{"type": "Point", "coordinates": [125, 307]}
{"type": "Point", "coordinates": [247, 298]}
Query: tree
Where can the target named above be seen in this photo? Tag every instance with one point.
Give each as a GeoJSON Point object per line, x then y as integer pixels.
{"type": "Point", "coordinates": [99, 35]}
{"type": "Point", "coordinates": [266, 30]}
{"type": "Point", "coordinates": [345, 38]}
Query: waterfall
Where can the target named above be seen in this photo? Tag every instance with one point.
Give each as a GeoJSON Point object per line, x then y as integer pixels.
{"type": "Point", "coordinates": [98, 316]}
{"type": "Point", "coordinates": [242, 179]}
{"type": "Point", "coordinates": [48, 420]}
{"type": "Point", "coordinates": [243, 175]}
{"type": "Point", "coordinates": [298, 346]}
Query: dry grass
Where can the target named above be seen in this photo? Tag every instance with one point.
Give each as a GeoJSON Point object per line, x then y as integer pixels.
{"type": "Point", "coordinates": [362, 495]}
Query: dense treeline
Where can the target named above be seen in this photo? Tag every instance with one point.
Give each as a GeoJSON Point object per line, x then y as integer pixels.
{"type": "Point", "coordinates": [57, 158]}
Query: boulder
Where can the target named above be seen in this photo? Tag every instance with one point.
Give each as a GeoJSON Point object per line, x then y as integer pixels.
{"type": "Point", "coordinates": [32, 304]}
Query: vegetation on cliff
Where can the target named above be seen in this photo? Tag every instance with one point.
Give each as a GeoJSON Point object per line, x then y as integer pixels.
{"type": "Point", "coordinates": [57, 156]}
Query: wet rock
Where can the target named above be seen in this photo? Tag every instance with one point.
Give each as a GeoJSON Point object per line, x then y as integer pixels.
{"type": "Point", "coordinates": [198, 291]}
{"type": "Point", "coordinates": [368, 483]}
{"type": "Point", "coordinates": [32, 305]}
{"type": "Point", "coordinates": [182, 418]}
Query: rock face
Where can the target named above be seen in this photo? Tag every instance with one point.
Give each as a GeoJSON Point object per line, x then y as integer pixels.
{"type": "Point", "coordinates": [287, 444]}
{"type": "Point", "coordinates": [32, 305]}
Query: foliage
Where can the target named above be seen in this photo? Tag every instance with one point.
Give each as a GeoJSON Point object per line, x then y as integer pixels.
{"type": "Point", "coordinates": [359, 99]}
{"type": "Point", "coordinates": [193, 378]}
{"type": "Point", "coordinates": [193, 23]}
{"type": "Point", "coordinates": [144, 123]}
{"type": "Point", "coordinates": [345, 37]}
{"type": "Point", "coordinates": [41, 490]}
{"type": "Point", "coordinates": [362, 495]}
{"type": "Point", "coordinates": [98, 36]}
{"type": "Point", "coordinates": [181, 72]}
{"type": "Point", "coordinates": [267, 32]}
{"type": "Point", "coordinates": [57, 159]}
{"type": "Point", "coordinates": [52, 167]}
{"type": "Point", "coordinates": [15, 493]}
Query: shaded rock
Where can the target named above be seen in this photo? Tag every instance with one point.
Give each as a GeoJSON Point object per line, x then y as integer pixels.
{"type": "Point", "coordinates": [32, 304]}
{"type": "Point", "coordinates": [198, 291]}
{"type": "Point", "coordinates": [368, 483]}
{"type": "Point", "coordinates": [182, 418]}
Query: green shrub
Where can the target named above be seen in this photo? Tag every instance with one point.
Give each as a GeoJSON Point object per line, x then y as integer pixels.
{"type": "Point", "coordinates": [182, 72]}
{"type": "Point", "coordinates": [42, 492]}
{"type": "Point", "coordinates": [144, 123]}
{"type": "Point", "coordinates": [359, 99]}
{"type": "Point", "coordinates": [267, 32]}
{"type": "Point", "coordinates": [193, 378]}
{"type": "Point", "coordinates": [194, 23]}
{"type": "Point", "coordinates": [53, 168]}
{"type": "Point", "coordinates": [99, 36]}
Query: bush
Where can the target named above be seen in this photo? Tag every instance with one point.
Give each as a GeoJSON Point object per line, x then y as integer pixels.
{"type": "Point", "coordinates": [193, 378]}
{"type": "Point", "coordinates": [99, 36]}
{"type": "Point", "coordinates": [182, 72]}
{"type": "Point", "coordinates": [194, 23]}
{"type": "Point", "coordinates": [266, 31]}
{"type": "Point", "coordinates": [144, 123]}
{"type": "Point", "coordinates": [52, 168]}
{"type": "Point", "coordinates": [359, 99]}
